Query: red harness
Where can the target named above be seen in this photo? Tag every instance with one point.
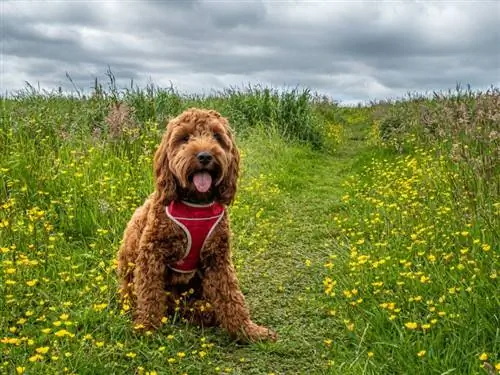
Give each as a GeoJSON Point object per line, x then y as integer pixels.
{"type": "Point", "coordinates": [198, 222]}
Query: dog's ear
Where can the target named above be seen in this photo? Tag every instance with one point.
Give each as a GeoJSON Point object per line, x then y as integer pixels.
{"type": "Point", "coordinates": [227, 188]}
{"type": "Point", "coordinates": [166, 185]}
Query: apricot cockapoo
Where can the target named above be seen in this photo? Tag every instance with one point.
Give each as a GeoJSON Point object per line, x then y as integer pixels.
{"type": "Point", "coordinates": [175, 257]}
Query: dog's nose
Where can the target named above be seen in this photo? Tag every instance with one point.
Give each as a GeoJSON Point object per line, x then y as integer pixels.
{"type": "Point", "coordinates": [204, 157]}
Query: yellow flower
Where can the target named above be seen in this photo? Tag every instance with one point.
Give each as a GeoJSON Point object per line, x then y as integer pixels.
{"type": "Point", "coordinates": [483, 357]}
{"type": "Point", "coordinates": [35, 358]}
{"type": "Point", "coordinates": [64, 317]}
{"type": "Point", "coordinates": [486, 247]}
{"type": "Point", "coordinates": [370, 354]}
{"type": "Point", "coordinates": [32, 282]}
{"type": "Point", "coordinates": [42, 350]}
{"type": "Point", "coordinates": [63, 332]}
{"type": "Point", "coordinates": [99, 344]}
{"type": "Point", "coordinates": [181, 354]}
{"type": "Point", "coordinates": [497, 366]}
{"type": "Point", "coordinates": [411, 325]}
{"type": "Point", "coordinates": [421, 353]}
{"type": "Point", "coordinates": [171, 360]}
{"type": "Point", "coordinates": [20, 370]}
{"type": "Point", "coordinates": [131, 355]}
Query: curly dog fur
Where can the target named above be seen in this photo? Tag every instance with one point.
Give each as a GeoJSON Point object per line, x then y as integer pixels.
{"type": "Point", "coordinates": [196, 141]}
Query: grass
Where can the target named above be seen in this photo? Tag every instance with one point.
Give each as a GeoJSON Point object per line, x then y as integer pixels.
{"type": "Point", "coordinates": [358, 246]}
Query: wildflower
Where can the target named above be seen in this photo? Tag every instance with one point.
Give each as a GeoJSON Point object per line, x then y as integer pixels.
{"type": "Point", "coordinates": [32, 282]}
{"type": "Point", "coordinates": [63, 332]}
{"type": "Point", "coordinates": [20, 370]}
{"type": "Point", "coordinates": [131, 355]}
{"type": "Point", "coordinates": [181, 354]}
{"type": "Point", "coordinates": [35, 358]}
{"type": "Point", "coordinates": [421, 353]}
{"type": "Point", "coordinates": [42, 350]}
{"type": "Point", "coordinates": [411, 325]}
{"type": "Point", "coordinates": [424, 279]}
{"type": "Point", "coordinates": [370, 354]}
{"type": "Point", "coordinates": [483, 357]}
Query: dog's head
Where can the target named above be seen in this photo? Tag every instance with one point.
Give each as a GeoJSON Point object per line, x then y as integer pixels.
{"type": "Point", "coordinates": [197, 159]}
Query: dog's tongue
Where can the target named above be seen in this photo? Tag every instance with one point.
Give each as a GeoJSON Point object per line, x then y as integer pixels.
{"type": "Point", "coordinates": [202, 181]}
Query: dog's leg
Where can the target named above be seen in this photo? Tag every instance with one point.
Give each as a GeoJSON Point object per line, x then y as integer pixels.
{"type": "Point", "coordinates": [149, 278]}
{"type": "Point", "coordinates": [221, 290]}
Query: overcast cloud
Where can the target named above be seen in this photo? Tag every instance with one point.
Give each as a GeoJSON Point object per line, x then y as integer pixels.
{"type": "Point", "coordinates": [351, 50]}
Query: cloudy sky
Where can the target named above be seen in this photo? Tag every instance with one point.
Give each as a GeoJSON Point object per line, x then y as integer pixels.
{"type": "Point", "coordinates": [351, 50]}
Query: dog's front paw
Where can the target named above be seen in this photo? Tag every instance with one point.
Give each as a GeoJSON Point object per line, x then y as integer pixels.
{"type": "Point", "coordinates": [254, 333]}
{"type": "Point", "coordinates": [142, 325]}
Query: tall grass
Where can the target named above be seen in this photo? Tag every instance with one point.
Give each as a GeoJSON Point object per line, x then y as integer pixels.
{"type": "Point", "coordinates": [288, 111]}
{"type": "Point", "coordinates": [463, 128]}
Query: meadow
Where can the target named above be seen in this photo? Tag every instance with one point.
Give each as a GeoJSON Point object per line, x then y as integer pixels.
{"type": "Point", "coordinates": [367, 237]}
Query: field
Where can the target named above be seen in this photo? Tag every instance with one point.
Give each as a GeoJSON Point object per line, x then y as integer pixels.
{"type": "Point", "coordinates": [368, 237]}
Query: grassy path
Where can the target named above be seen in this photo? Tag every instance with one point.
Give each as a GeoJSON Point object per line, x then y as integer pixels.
{"type": "Point", "coordinates": [284, 284]}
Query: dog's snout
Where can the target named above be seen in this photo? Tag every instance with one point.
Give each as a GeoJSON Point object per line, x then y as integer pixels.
{"type": "Point", "coordinates": [204, 157]}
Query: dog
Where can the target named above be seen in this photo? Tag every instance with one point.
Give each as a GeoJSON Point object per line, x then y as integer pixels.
{"type": "Point", "coordinates": [175, 256]}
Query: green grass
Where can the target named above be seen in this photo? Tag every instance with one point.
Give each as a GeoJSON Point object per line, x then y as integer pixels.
{"type": "Point", "coordinates": [360, 257]}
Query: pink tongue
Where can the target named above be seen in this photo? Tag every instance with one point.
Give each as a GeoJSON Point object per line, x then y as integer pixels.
{"type": "Point", "coordinates": [202, 181]}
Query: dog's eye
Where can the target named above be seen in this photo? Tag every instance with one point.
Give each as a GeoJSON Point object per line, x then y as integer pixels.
{"type": "Point", "coordinates": [184, 138]}
{"type": "Point", "coordinates": [217, 136]}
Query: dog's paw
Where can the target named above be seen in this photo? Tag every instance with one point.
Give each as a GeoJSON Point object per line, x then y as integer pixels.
{"type": "Point", "coordinates": [143, 326]}
{"type": "Point", "coordinates": [255, 333]}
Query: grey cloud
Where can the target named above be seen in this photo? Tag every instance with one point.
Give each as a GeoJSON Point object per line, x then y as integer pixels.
{"type": "Point", "coordinates": [348, 50]}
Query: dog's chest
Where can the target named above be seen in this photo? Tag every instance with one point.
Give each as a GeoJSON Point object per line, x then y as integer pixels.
{"type": "Point", "coordinates": [197, 222]}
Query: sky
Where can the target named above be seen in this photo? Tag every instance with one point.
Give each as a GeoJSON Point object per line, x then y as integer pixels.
{"type": "Point", "coordinates": [349, 50]}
